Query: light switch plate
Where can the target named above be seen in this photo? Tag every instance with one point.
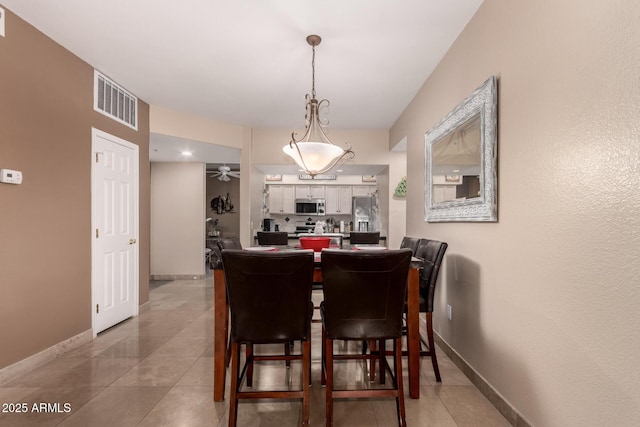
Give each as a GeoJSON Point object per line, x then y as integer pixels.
{"type": "Point", "coordinates": [2, 22]}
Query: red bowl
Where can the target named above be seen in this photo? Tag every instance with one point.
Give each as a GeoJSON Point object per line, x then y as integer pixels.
{"type": "Point", "coordinates": [315, 243]}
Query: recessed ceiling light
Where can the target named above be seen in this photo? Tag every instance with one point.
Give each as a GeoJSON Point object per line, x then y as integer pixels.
{"type": "Point", "coordinates": [187, 153]}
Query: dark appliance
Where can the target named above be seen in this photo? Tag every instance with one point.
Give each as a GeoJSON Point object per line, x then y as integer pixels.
{"type": "Point", "coordinates": [266, 224]}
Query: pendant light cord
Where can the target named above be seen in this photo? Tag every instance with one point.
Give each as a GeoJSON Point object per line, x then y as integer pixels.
{"type": "Point", "coordinates": [313, 71]}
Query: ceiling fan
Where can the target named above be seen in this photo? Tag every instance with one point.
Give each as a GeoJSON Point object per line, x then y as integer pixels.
{"type": "Point", "coordinates": [224, 173]}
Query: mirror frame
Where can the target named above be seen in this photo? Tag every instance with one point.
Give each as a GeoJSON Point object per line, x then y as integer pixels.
{"type": "Point", "coordinates": [482, 101]}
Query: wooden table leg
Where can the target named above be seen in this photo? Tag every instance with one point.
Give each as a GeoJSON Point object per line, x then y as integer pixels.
{"type": "Point", "coordinates": [413, 332]}
{"type": "Point", "coordinates": [220, 327]}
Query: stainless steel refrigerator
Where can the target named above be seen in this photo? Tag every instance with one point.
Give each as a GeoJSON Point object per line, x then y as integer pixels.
{"type": "Point", "coordinates": [363, 213]}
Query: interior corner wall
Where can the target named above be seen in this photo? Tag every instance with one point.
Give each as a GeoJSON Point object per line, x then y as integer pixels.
{"type": "Point", "coordinates": [397, 205]}
{"type": "Point", "coordinates": [545, 301]}
{"type": "Point", "coordinates": [177, 219]}
{"type": "Point", "coordinates": [46, 120]}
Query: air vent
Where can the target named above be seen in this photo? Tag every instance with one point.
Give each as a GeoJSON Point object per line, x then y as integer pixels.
{"type": "Point", "coordinates": [112, 100]}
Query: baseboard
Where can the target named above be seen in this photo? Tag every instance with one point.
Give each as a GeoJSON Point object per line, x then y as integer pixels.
{"type": "Point", "coordinates": [481, 384]}
{"type": "Point", "coordinates": [30, 363]}
{"type": "Point", "coordinates": [144, 307]}
{"type": "Point", "coordinates": [178, 276]}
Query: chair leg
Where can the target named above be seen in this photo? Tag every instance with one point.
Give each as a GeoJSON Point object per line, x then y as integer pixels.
{"type": "Point", "coordinates": [329, 381]}
{"type": "Point", "coordinates": [323, 359]}
{"type": "Point", "coordinates": [397, 354]}
{"type": "Point", "coordinates": [372, 362]}
{"type": "Point", "coordinates": [233, 397]}
{"type": "Point", "coordinates": [432, 347]}
{"type": "Point", "coordinates": [383, 353]}
{"type": "Point", "coordinates": [306, 380]}
{"type": "Point", "coordinates": [287, 352]}
{"type": "Point", "coordinates": [249, 362]}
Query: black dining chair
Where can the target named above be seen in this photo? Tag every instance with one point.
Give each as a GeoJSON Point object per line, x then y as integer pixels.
{"type": "Point", "coordinates": [432, 253]}
{"type": "Point", "coordinates": [364, 296]}
{"type": "Point", "coordinates": [411, 243]}
{"type": "Point", "coordinates": [274, 286]}
{"type": "Point", "coordinates": [364, 237]}
{"type": "Point", "coordinates": [266, 238]}
{"type": "Point", "coordinates": [221, 244]}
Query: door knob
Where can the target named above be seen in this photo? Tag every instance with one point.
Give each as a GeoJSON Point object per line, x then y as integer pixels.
{"type": "Point", "coordinates": [132, 241]}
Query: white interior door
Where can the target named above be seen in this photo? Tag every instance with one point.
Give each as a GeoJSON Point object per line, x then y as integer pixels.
{"type": "Point", "coordinates": [114, 198]}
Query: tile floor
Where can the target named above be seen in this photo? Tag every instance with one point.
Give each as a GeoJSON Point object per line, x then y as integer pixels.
{"type": "Point", "coordinates": [157, 370]}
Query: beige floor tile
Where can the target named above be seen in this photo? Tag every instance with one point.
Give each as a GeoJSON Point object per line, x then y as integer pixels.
{"type": "Point", "coordinates": [95, 372]}
{"type": "Point", "coordinates": [469, 407]}
{"type": "Point", "coordinates": [183, 347]}
{"type": "Point", "coordinates": [49, 406]}
{"type": "Point", "coordinates": [117, 406]}
{"type": "Point", "coordinates": [186, 406]}
{"type": "Point", "coordinates": [153, 372]}
{"type": "Point", "coordinates": [135, 346]}
{"type": "Point", "coordinates": [47, 374]}
{"type": "Point", "coordinates": [199, 374]}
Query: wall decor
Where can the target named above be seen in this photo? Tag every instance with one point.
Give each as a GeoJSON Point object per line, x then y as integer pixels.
{"type": "Point", "coordinates": [318, 177]}
{"type": "Point", "coordinates": [368, 178]}
{"type": "Point", "coordinates": [273, 177]}
{"type": "Point", "coordinates": [461, 161]}
{"type": "Point", "coordinates": [401, 188]}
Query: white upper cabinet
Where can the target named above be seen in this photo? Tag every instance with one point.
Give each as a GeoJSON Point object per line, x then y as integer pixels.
{"type": "Point", "coordinates": [364, 190]}
{"type": "Point", "coordinates": [310, 191]}
{"type": "Point", "coordinates": [281, 199]}
{"type": "Point", "coordinates": [338, 200]}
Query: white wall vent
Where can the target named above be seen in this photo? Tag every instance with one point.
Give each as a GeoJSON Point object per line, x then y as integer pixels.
{"type": "Point", "coordinates": [114, 101]}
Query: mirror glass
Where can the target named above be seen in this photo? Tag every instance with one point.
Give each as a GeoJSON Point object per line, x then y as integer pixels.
{"type": "Point", "coordinates": [461, 162]}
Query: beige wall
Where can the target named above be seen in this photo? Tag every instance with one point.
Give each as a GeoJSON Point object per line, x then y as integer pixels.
{"type": "Point", "coordinates": [46, 117]}
{"type": "Point", "coordinates": [545, 302]}
{"type": "Point", "coordinates": [177, 219]}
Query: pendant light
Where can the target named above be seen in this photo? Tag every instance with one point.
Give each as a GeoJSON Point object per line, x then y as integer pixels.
{"type": "Point", "coordinates": [314, 152]}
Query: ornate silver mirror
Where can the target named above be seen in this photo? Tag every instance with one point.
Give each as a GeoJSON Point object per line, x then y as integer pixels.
{"type": "Point", "coordinates": [461, 151]}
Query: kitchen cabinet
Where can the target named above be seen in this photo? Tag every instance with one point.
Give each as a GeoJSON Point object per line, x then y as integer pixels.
{"type": "Point", "coordinates": [364, 190]}
{"type": "Point", "coordinates": [310, 192]}
{"type": "Point", "coordinates": [338, 200]}
{"type": "Point", "coordinates": [281, 199]}
{"type": "Point", "coordinates": [444, 193]}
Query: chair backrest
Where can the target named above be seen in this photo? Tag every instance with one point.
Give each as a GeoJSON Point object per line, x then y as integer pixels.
{"type": "Point", "coordinates": [364, 237]}
{"type": "Point", "coordinates": [411, 243]}
{"type": "Point", "coordinates": [272, 238]}
{"type": "Point", "coordinates": [432, 252]}
{"type": "Point", "coordinates": [364, 292]}
{"type": "Point", "coordinates": [269, 295]}
{"type": "Point", "coordinates": [224, 243]}
{"type": "Point", "coordinates": [229, 243]}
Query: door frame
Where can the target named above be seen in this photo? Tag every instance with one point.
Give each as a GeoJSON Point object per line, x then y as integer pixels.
{"type": "Point", "coordinates": [136, 220]}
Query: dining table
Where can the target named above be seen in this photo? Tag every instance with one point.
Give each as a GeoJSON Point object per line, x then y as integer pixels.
{"type": "Point", "coordinates": [221, 321]}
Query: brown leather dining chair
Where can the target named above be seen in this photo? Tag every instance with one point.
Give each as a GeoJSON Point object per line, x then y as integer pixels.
{"type": "Point", "coordinates": [364, 237]}
{"type": "Point", "coordinates": [432, 252]}
{"type": "Point", "coordinates": [266, 238]}
{"type": "Point", "coordinates": [364, 296]}
{"type": "Point", "coordinates": [274, 286]}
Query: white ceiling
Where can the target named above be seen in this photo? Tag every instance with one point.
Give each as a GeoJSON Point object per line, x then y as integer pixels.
{"type": "Point", "coordinates": [246, 62]}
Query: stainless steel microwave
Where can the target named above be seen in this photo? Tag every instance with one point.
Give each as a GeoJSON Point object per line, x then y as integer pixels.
{"type": "Point", "coordinates": [310, 206]}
